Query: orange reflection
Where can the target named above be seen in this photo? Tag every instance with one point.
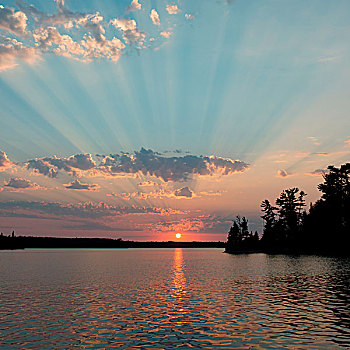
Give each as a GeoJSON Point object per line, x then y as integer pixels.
{"type": "Point", "coordinates": [178, 275]}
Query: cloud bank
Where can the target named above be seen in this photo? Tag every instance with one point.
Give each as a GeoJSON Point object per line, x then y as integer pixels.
{"type": "Point", "coordinates": [144, 162]}
{"type": "Point", "coordinates": [150, 163]}
{"type": "Point", "coordinates": [50, 166]}
{"type": "Point", "coordinates": [27, 33]}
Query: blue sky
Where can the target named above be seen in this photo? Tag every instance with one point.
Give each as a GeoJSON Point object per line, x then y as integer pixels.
{"type": "Point", "coordinates": [263, 82]}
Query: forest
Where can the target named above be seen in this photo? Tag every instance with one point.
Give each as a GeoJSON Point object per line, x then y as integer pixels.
{"type": "Point", "coordinates": [289, 228]}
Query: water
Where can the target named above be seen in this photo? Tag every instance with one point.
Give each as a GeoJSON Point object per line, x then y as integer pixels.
{"type": "Point", "coordinates": [172, 299]}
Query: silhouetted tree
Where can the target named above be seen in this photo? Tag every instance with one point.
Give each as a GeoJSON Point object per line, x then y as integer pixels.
{"type": "Point", "coordinates": [283, 224]}
{"type": "Point", "coordinates": [269, 216]}
{"type": "Point", "coordinates": [328, 223]}
{"type": "Point", "coordinates": [239, 237]}
{"type": "Point", "coordinates": [289, 228]}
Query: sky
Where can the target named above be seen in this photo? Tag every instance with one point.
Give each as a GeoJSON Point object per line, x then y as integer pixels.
{"type": "Point", "coordinates": [139, 119]}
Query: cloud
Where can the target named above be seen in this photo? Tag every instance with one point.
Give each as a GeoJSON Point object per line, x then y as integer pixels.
{"type": "Point", "coordinates": [143, 162]}
{"type": "Point", "coordinates": [87, 30]}
{"type": "Point", "coordinates": [314, 140]}
{"type": "Point", "coordinates": [74, 164]}
{"type": "Point", "coordinates": [184, 192]}
{"type": "Point", "coordinates": [182, 225]}
{"type": "Point", "coordinates": [80, 161]}
{"type": "Point", "coordinates": [110, 49]}
{"type": "Point", "coordinates": [93, 225]}
{"type": "Point", "coordinates": [76, 35]}
{"type": "Point", "coordinates": [131, 34]}
{"type": "Point", "coordinates": [155, 17]}
{"type": "Point", "coordinates": [282, 173]}
{"type": "Point", "coordinates": [328, 59]}
{"type": "Point", "coordinates": [150, 163]}
{"type": "Point", "coordinates": [124, 23]}
{"type": "Point", "coordinates": [13, 21]}
{"type": "Point", "coordinates": [189, 16]}
{"type": "Point", "coordinates": [41, 167]}
{"type": "Point", "coordinates": [95, 46]}
{"type": "Point", "coordinates": [166, 34]}
{"type": "Point", "coordinates": [12, 52]}
{"type": "Point", "coordinates": [147, 183]}
{"type": "Point", "coordinates": [318, 172]}
{"type": "Point", "coordinates": [172, 9]}
{"type": "Point", "coordinates": [77, 185]}
{"type": "Point", "coordinates": [18, 184]}
{"type": "Point", "coordinates": [63, 17]}
{"type": "Point", "coordinates": [347, 143]}
{"type": "Point", "coordinates": [79, 210]}
{"type": "Point", "coordinates": [134, 6]}
{"type": "Point", "coordinates": [5, 163]}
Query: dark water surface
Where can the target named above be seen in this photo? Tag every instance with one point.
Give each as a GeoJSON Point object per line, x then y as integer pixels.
{"type": "Point", "coordinates": [172, 298]}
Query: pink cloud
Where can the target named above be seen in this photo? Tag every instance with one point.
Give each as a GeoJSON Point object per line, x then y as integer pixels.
{"type": "Point", "coordinates": [5, 163]}
{"type": "Point", "coordinates": [20, 184]}
{"type": "Point", "coordinates": [182, 225]}
{"type": "Point", "coordinates": [318, 172]}
{"type": "Point", "coordinates": [314, 140]}
{"type": "Point", "coordinates": [282, 173]}
{"type": "Point", "coordinates": [12, 52]}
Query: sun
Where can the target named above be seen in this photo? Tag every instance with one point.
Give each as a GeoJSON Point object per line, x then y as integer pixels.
{"type": "Point", "coordinates": [178, 235]}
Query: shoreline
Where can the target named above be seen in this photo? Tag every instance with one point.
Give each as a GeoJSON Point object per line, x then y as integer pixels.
{"type": "Point", "coordinates": [23, 242]}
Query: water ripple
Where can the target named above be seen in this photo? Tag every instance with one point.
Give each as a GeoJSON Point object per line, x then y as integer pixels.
{"type": "Point", "coordinates": [172, 299]}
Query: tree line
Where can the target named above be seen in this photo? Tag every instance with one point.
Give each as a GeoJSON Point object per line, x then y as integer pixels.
{"type": "Point", "coordinates": [289, 228]}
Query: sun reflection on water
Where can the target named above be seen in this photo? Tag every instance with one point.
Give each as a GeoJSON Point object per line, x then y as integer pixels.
{"type": "Point", "coordinates": [179, 279]}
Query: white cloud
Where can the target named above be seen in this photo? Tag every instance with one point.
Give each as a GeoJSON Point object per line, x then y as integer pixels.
{"type": "Point", "coordinates": [328, 59]}
{"type": "Point", "coordinates": [124, 23]}
{"type": "Point", "coordinates": [172, 9]}
{"type": "Point", "coordinates": [165, 34]}
{"type": "Point", "coordinates": [13, 21]}
{"type": "Point", "coordinates": [131, 34]}
{"type": "Point", "coordinates": [134, 6]}
{"type": "Point", "coordinates": [155, 17]}
{"type": "Point", "coordinates": [12, 52]}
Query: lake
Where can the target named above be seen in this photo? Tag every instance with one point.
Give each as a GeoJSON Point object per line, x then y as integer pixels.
{"type": "Point", "coordinates": [172, 299]}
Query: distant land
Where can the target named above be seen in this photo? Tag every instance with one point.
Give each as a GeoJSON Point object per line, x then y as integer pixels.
{"type": "Point", "coordinates": [22, 242]}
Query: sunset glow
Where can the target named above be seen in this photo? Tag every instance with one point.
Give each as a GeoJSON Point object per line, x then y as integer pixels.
{"type": "Point", "coordinates": [110, 128]}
